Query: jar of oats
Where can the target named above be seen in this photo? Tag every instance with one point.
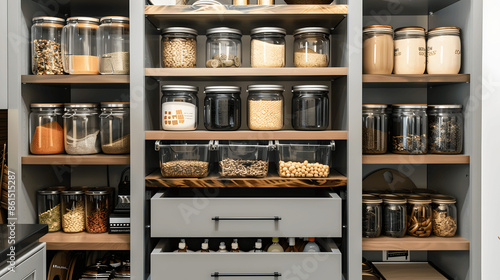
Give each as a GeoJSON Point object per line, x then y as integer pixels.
{"type": "Point", "coordinates": [73, 211]}
{"type": "Point", "coordinates": [178, 47]}
{"type": "Point", "coordinates": [311, 47]}
{"type": "Point", "coordinates": [268, 47]}
{"type": "Point", "coordinates": [265, 107]}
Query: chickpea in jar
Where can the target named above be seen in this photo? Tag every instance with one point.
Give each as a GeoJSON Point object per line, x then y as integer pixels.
{"type": "Point", "coordinates": [303, 169]}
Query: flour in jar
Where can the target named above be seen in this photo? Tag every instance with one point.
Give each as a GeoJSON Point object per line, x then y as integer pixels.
{"type": "Point", "coordinates": [179, 116]}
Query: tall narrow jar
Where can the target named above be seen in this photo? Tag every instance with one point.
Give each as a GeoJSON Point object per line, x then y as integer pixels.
{"type": "Point", "coordinates": [375, 128]}
{"type": "Point", "coordinates": [378, 49]}
{"type": "Point", "coordinates": [79, 44]}
{"type": "Point", "coordinates": [444, 51]}
{"type": "Point", "coordinates": [46, 56]}
{"type": "Point", "coordinates": [113, 45]}
{"type": "Point", "coordinates": [409, 50]}
{"type": "Point", "coordinates": [46, 129]}
{"type": "Point", "coordinates": [115, 127]}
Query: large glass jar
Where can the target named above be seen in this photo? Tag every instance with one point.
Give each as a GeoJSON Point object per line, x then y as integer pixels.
{"type": "Point", "coordinates": [409, 50]}
{"type": "Point", "coordinates": [113, 45]}
{"type": "Point", "coordinates": [444, 50]}
{"type": "Point", "coordinates": [311, 47]}
{"type": "Point", "coordinates": [395, 217]}
{"type": "Point", "coordinates": [178, 47]}
{"type": "Point", "coordinates": [73, 211]}
{"type": "Point", "coordinates": [179, 107]}
{"type": "Point", "coordinates": [222, 108]}
{"type": "Point", "coordinates": [378, 49]}
{"type": "Point", "coordinates": [223, 47]}
{"type": "Point", "coordinates": [409, 129]}
{"type": "Point", "coordinates": [306, 159]}
{"type": "Point", "coordinates": [46, 129]}
{"type": "Point", "coordinates": [49, 209]}
{"type": "Point", "coordinates": [97, 210]}
{"type": "Point", "coordinates": [184, 160]}
{"type": "Point", "coordinates": [444, 216]}
{"type": "Point", "coordinates": [446, 129]}
{"type": "Point", "coordinates": [265, 107]}
{"type": "Point", "coordinates": [310, 107]}
{"type": "Point", "coordinates": [46, 56]}
{"type": "Point", "coordinates": [375, 128]}
{"type": "Point", "coordinates": [115, 127]}
{"type": "Point", "coordinates": [268, 47]}
{"type": "Point", "coordinates": [419, 217]}
{"type": "Point", "coordinates": [81, 128]}
{"type": "Point", "coordinates": [79, 45]}
{"type": "Point", "coordinates": [372, 216]}
{"type": "Point", "coordinates": [243, 158]}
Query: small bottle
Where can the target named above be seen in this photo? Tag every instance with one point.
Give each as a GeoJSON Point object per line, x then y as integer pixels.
{"type": "Point", "coordinates": [182, 246]}
{"type": "Point", "coordinates": [204, 247]}
{"type": "Point", "coordinates": [222, 248]}
{"type": "Point", "coordinates": [275, 247]}
{"type": "Point", "coordinates": [311, 246]}
{"type": "Point", "coordinates": [258, 246]}
{"type": "Point", "coordinates": [234, 246]}
{"type": "Point", "coordinates": [291, 245]}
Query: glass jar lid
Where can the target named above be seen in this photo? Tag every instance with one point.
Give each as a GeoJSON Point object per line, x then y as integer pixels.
{"type": "Point", "coordinates": [119, 19]}
{"type": "Point", "coordinates": [419, 200]}
{"type": "Point", "coordinates": [223, 30]}
{"type": "Point", "coordinates": [310, 88]}
{"type": "Point", "coordinates": [115, 104]}
{"type": "Point", "coordinates": [48, 192]}
{"type": "Point", "coordinates": [409, 106]}
{"type": "Point", "coordinates": [83, 19]}
{"type": "Point", "coordinates": [96, 192]}
{"type": "Point", "coordinates": [47, 19]}
{"type": "Point", "coordinates": [47, 105]}
{"type": "Point", "coordinates": [446, 30]}
{"type": "Point", "coordinates": [416, 30]}
{"type": "Point", "coordinates": [311, 30]}
{"type": "Point", "coordinates": [179, 88]}
{"type": "Point", "coordinates": [71, 192]}
{"type": "Point", "coordinates": [375, 106]}
{"type": "Point", "coordinates": [265, 87]}
{"type": "Point", "coordinates": [222, 89]}
{"type": "Point", "coordinates": [179, 30]}
{"type": "Point", "coordinates": [395, 200]}
{"type": "Point", "coordinates": [268, 30]}
{"type": "Point", "coordinates": [451, 106]}
{"type": "Point", "coordinates": [378, 28]}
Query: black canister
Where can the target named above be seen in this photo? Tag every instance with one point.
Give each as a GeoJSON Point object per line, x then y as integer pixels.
{"type": "Point", "coordinates": [222, 108]}
{"type": "Point", "coordinates": [310, 107]}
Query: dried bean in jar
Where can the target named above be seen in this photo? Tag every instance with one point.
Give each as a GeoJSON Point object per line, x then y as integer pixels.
{"type": "Point", "coordinates": [243, 168]}
{"type": "Point", "coordinates": [185, 168]}
{"type": "Point", "coordinates": [292, 169]}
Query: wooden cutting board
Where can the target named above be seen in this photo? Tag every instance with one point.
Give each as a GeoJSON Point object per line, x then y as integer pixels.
{"type": "Point", "coordinates": [409, 271]}
{"type": "Point", "coordinates": [387, 180]}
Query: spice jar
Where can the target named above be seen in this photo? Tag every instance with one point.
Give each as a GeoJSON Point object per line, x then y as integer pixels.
{"type": "Point", "coordinates": [310, 107]}
{"type": "Point", "coordinates": [444, 216]}
{"type": "Point", "coordinates": [311, 47]}
{"type": "Point", "coordinates": [222, 108]}
{"type": "Point", "coordinates": [115, 127]}
{"type": "Point", "coordinates": [419, 217]}
{"type": "Point", "coordinates": [179, 107]}
{"type": "Point", "coordinates": [97, 211]}
{"type": "Point", "coordinates": [81, 128]}
{"type": "Point", "coordinates": [79, 45]}
{"type": "Point", "coordinates": [409, 129]}
{"type": "Point", "coordinates": [375, 128]}
{"type": "Point", "coordinates": [410, 50]}
{"type": "Point", "coordinates": [268, 47]}
{"type": "Point", "coordinates": [446, 129]}
{"type": "Point", "coordinates": [46, 56]}
{"type": "Point", "coordinates": [378, 49]}
{"type": "Point", "coordinates": [73, 211]}
{"type": "Point", "coordinates": [265, 107]}
{"type": "Point", "coordinates": [223, 48]}
{"type": "Point", "coordinates": [395, 217]}
{"type": "Point", "coordinates": [444, 50]}
{"type": "Point", "coordinates": [113, 45]}
{"type": "Point", "coordinates": [372, 216]}
{"type": "Point", "coordinates": [46, 131]}
{"type": "Point", "coordinates": [178, 47]}
{"type": "Point", "coordinates": [49, 209]}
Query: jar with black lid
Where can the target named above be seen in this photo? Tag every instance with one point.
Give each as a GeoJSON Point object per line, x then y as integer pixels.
{"type": "Point", "coordinates": [395, 216]}
{"type": "Point", "coordinates": [310, 107]}
{"type": "Point", "coordinates": [372, 216]}
{"type": "Point", "coordinates": [409, 129]}
{"type": "Point", "coordinates": [223, 47]}
{"type": "Point", "coordinates": [179, 107]}
{"type": "Point", "coordinates": [375, 128]}
{"type": "Point", "coordinates": [222, 108]}
{"type": "Point", "coordinates": [49, 209]}
{"type": "Point", "coordinates": [446, 129]}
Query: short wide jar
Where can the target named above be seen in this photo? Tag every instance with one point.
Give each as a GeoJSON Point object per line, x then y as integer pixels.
{"type": "Point", "coordinates": [265, 107]}
{"type": "Point", "coordinates": [444, 51]}
{"type": "Point", "coordinates": [372, 216]}
{"type": "Point", "coordinates": [97, 210]}
{"type": "Point", "coordinates": [310, 107]}
{"type": "Point", "coordinates": [46, 129]}
{"type": "Point", "coordinates": [268, 47]}
{"type": "Point", "coordinates": [409, 129]}
{"type": "Point", "coordinates": [223, 48]}
{"type": "Point", "coordinates": [222, 108]}
{"type": "Point", "coordinates": [394, 216]}
{"type": "Point", "coordinates": [378, 49]}
{"type": "Point", "coordinates": [73, 211]}
{"type": "Point", "coordinates": [375, 128]}
{"type": "Point", "coordinates": [446, 129]}
{"type": "Point", "coordinates": [409, 50]}
{"type": "Point", "coordinates": [311, 47]}
{"type": "Point", "coordinates": [179, 107]}
{"type": "Point", "coordinates": [178, 47]}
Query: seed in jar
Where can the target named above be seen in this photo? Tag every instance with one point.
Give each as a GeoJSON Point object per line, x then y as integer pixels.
{"type": "Point", "coordinates": [265, 114]}
{"type": "Point", "coordinates": [306, 57]}
{"type": "Point", "coordinates": [184, 168]}
{"type": "Point", "coordinates": [410, 144]}
{"type": "Point", "coordinates": [52, 218]}
{"type": "Point", "coordinates": [47, 58]}
{"type": "Point", "coordinates": [445, 137]}
{"type": "Point", "coordinates": [303, 169]}
{"type": "Point", "coordinates": [179, 53]}
{"type": "Point", "coordinates": [97, 221]}
{"type": "Point", "coordinates": [243, 168]}
{"type": "Point", "coordinates": [74, 219]}
{"type": "Point", "coordinates": [444, 225]}
{"type": "Point", "coordinates": [266, 54]}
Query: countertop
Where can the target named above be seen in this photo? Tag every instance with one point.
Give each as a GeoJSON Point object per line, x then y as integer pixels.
{"type": "Point", "coordinates": [25, 235]}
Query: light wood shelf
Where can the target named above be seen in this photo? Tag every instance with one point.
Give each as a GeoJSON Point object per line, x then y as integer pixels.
{"type": "Point", "coordinates": [406, 7]}
{"type": "Point", "coordinates": [63, 159]}
{"type": "Point", "coordinates": [86, 241]}
{"type": "Point", "coordinates": [409, 271]}
{"type": "Point", "coordinates": [432, 243]}
{"type": "Point", "coordinates": [246, 135]}
{"type": "Point", "coordinates": [75, 79]}
{"type": "Point", "coordinates": [415, 159]}
{"type": "Point", "coordinates": [394, 80]}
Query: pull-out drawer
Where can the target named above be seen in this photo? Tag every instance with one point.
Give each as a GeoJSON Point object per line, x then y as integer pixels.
{"type": "Point", "coordinates": [235, 266]}
{"type": "Point", "coordinates": [278, 216]}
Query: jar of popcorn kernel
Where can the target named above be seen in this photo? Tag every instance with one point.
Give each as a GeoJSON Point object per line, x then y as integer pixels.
{"type": "Point", "coordinates": [265, 107]}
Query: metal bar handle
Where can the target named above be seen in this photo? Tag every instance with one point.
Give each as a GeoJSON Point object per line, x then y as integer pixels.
{"type": "Point", "coordinates": [217, 274]}
{"type": "Point", "coordinates": [275, 218]}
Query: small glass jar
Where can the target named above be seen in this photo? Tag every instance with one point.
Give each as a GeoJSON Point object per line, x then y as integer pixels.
{"type": "Point", "coordinates": [179, 107]}
{"type": "Point", "coordinates": [113, 46]}
{"type": "Point", "coordinates": [311, 47]}
{"type": "Point", "coordinates": [375, 128]}
{"type": "Point", "coordinates": [378, 49]}
{"type": "Point", "coordinates": [178, 47]}
{"type": "Point", "coordinates": [310, 107]}
{"type": "Point", "coordinates": [444, 216]}
{"type": "Point", "coordinates": [409, 129]}
{"type": "Point", "coordinates": [46, 129]}
{"type": "Point", "coordinates": [395, 217]}
{"type": "Point", "coordinates": [223, 48]}
{"type": "Point", "coordinates": [265, 107]}
{"type": "Point", "coordinates": [46, 55]}
{"type": "Point", "coordinates": [49, 209]}
{"type": "Point", "coordinates": [115, 127]}
{"type": "Point", "coordinates": [372, 216]}
{"type": "Point", "coordinates": [419, 217]}
{"type": "Point", "coordinates": [446, 129]}
{"type": "Point", "coordinates": [268, 47]}
{"type": "Point", "coordinates": [73, 211]}
{"type": "Point", "coordinates": [410, 50]}
{"type": "Point", "coordinates": [97, 210]}
{"type": "Point", "coordinates": [79, 45]}
{"type": "Point", "coordinates": [444, 51]}
{"type": "Point", "coordinates": [222, 108]}
{"type": "Point", "coordinates": [81, 128]}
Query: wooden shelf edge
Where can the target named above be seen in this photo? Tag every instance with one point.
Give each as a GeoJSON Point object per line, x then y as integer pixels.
{"type": "Point", "coordinates": [246, 72]}
{"type": "Point", "coordinates": [63, 159]}
{"type": "Point", "coordinates": [416, 159]}
{"type": "Point", "coordinates": [432, 243]}
{"type": "Point", "coordinates": [75, 79]}
{"type": "Point", "coordinates": [246, 135]}
{"type": "Point", "coordinates": [86, 241]}
{"type": "Point", "coordinates": [424, 78]}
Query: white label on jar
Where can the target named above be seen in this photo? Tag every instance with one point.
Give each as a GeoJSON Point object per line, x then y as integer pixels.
{"type": "Point", "coordinates": [179, 116]}
{"type": "Point", "coordinates": [444, 54]}
{"type": "Point", "coordinates": [409, 56]}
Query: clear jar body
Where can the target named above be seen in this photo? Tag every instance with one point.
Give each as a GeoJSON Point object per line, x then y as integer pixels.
{"type": "Point", "coordinates": [97, 212]}
{"type": "Point", "coordinates": [243, 159]}
{"type": "Point", "coordinates": [372, 219]}
{"type": "Point", "coordinates": [115, 130]}
{"type": "Point", "coordinates": [446, 131]}
{"type": "Point", "coordinates": [178, 50]}
{"type": "Point", "coordinates": [410, 53]}
{"type": "Point", "coordinates": [73, 211]}
{"type": "Point", "coordinates": [222, 111]}
{"type": "Point", "coordinates": [395, 219]}
{"type": "Point", "coordinates": [378, 53]}
{"type": "Point", "coordinates": [375, 130]}
{"type": "Point", "coordinates": [81, 131]}
{"type": "Point", "coordinates": [179, 110]}
{"type": "Point", "coordinates": [46, 55]}
{"type": "Point", "coordinates": [409, 131]}
{"type": "Point", "coordinates": [444, 54]}
{"type": "Point", "coordinates": [310, 110]}
{"type": "Point", "coordinates": [113, 48]}
{"type": "Point", "coordinates": [444, 216]}
{"type": "Point", "coordinates": [223, 50]}
{"type": "Point", "coordinates": [304, 159]}
{"type": "Point", "coordinates": [267, 50]}
{"type": "Point", "coordinates": [79, 45]}
{"type": "Point", "coordinates": [419, 219]}
{"type": "Point", "coordinates": [46, 131]}
{"type": "Point", "coordinates": [49, 209]}
{"type": "Point", "coordinates": [265, 110]}
{"type": "Point", "coordinates": [311, 50]}
{"type": "Point", "coordinates": [184, 160]}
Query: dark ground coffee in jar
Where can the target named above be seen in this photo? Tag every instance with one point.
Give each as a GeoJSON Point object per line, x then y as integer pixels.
{"type": "Point", "coordinates": [446, 129]}
{"type": "Point", "coordinates": [372, 216]}
{"type": "Point", "coordinates": [395, 217]}
{"type": "Point", "coordinates": [375, 128]}
{"type": "Point", "coordinates": [222, 108]}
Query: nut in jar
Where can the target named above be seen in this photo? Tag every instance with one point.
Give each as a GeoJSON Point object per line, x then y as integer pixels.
{"type": "Point", "coordinates": [444, 215]}
{"type": "Point", "coordinates": [419, 217]}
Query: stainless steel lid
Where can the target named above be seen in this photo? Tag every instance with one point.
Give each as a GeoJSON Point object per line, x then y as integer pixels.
{"type": "Point", "coordinates": [179, 30]}
{"type": "Point", "coordinates": [310, 88]}
{"type": "Point", "coordinates": [311, 30]}
{"type": "Point", "coordinates": [115, 104]}
{"type": "Point", "coordinates": [71, 192]}
{"type": "Point", "coordinates": [451, 106]}
{"type": "Point", "coordinates": [81, 105]}
{"type": "Point", "coordinates": [47, 105]}
{"type": "Point", "coordinates": [83, 19]}
{"type": "Point", "coordinates": [223, 30]}
{"type": "Point", "coordinates": [266, 87]}
{"type": "Point", "coordinates": [409, 106]}
{"type": "Point", "coordinates": [48, 19]}
{"type": "Point", "coordinates": [120, 19]}
{"type": "Point", "coordinates": [46, 192]}
{"type": "Point", "coordinates": [268, 30]}
{"type": "Point", "coordinates": [375, 106]}
{"type": "Point", "coordinates": [96, 192]}
{"type": "Point", "coordinates": [222, 89]}
{"type": "Point", "coordinates": [179, 88]}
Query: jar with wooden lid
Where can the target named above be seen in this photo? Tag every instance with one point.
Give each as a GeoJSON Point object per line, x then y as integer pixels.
{"type": "Point", "coordinates": [372, 216]}
{"type": "Point", "coordinates": [446, 129]}
{"type": "Point", "coordinates": [73, 210]}
{"type": "Point", "coordinates": [394, 216]}
{"type": "Point", "coordinates": [79, 45]}
{"type": "Point", "coordinates": [49, 209]}
{"type": "Point", "coordinates": [115, 127]}
{"type": "Point", "coordinates": [97, 209]}
{"type": "Point", "coordinates": [410, 50]}
{"type": "Point", "coordinates": [265, 107]}
{"type": "Point", "coordinates": [444, 50]}
{"type": "Point", "coordinates": [419, 217]}
{"type": "Point", "coordinates": [223, 48]}
{"type": "Point", "coordinates": [178, 47]}
{"type": "Point", "coordinates": [113, 45]}
{"type": "Point", "coordinates": [444, 216]}
{"type": "Point", "coordinates": [46, 129]}
{"type": "Point", "coordinates": [409, 129]}
{"type": "Point", "coordinates": [311, 47]}
{"type": "Point", "coordinates": [46, 55]}
{"type": "Point", "coordinates": [179, 107]}
{"type": "Point", "coordinates": [378, 49]}
{"type": "Point", "coordinates": [375, 128]}
{"type": "Point", "coordinates": [267, 47]}
{"type": "Point", "coordinates": [81, 128]}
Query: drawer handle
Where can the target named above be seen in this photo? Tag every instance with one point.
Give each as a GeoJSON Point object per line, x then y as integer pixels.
{"type": "Point", "coordinates": [217, 274]}
{"type": "Point", "coordinates": [275, 218]}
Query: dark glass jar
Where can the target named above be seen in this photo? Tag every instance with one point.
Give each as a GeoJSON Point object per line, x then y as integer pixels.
{"type": "Point", "coordinates": [49, 209]}
{"type": "Point", "coordinates": [372, 216]}
{"type": "Point", "coordinates": [375, 128]}
{"type": "Point", "coordinates": [409, 129]}
{"type": "Point", "coordinates": [222, 108]}
{"type": "Point", "coordinates": [179, 107]}
{"type": "Point", "coordinates": [395, 217]}
{"type": "Point", "coordinates": [446, 129]}
{"type": "Point", "coordinates": [310, 107]}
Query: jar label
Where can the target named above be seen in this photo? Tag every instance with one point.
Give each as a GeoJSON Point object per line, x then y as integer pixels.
{"type": "Point", "coordinates": [179, 116]}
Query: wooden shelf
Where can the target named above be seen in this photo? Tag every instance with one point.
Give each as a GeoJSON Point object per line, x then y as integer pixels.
{"type": "Point", "coordinates": [405, 7]}
{"type": "Point", "coordinates": [63, 159]}
{"type": "Point", "coordinates": [86, 241]}
{"type": "Point", "coordinates": [246, 135]}
{"type": "Point", "coordinates": [75, 79]}
{"type": "Point", "coordinates": [432, 243]}
{"type": "Point", "coordinates": [415, 159]}
{"type": "Point", "coordinates": [413, 80]}
{"type": "Point", "coordinates": [409, 271]}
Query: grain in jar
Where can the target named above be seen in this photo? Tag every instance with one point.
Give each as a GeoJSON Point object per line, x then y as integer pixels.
{"type": "Point", "coordinates": [49, 209]}
{"type": "Point", "coordinates": [375, 128]}
{"type": "Point", "coordinates": [97, 209]}
{"type": "Point", "coordinates": [311, 47]}
{"type": "Point", "coordinates": [265, 107]}
{"type": "Point", "coordinates": [79, 45]}
{"type": "Point", "coordinates": [444, 51]}
{"type": "Point", "coordinates": [113, 45]}
{"type": "Point", "coordinates": [179, 47]}
{"type": "Point", "coordinates": [46, 129]}
{"type": "Point", "coordinates": [409, 129]}
{"type": "Point", "coordinates": [268, 47]}
{"type": "Point", "coordinates": [73, 211]}
{"type": "Point", "coordinates": [378, 49]}
{"type": "Point", "coordinates": [46, 56]}
{"type": "Point", "coordinates": [409, 50]}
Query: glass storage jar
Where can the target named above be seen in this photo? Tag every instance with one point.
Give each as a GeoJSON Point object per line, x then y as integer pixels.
{"type": "Point", "coordinates": [179, 107]}
{"type": "Point", "coordinates": [49, 209]}
{"type": "Point", "coordinates": [81, 128]}
{"type": "Point", "coordinates": [446, 129]}
{"type": "Point", "coordinates": [444, 216]}
{"type": "Point", "coordinates": [79, 46]}
{"type": "Point", "coordinates": [178, 47]}
{"type": "Point", "coordinates": [265, 107]}
{"type": "Point", "coordinates": [306, 159]}
{"type": "Point", "coordinates": [97, 210]}
{"type": "Point", "coordinates": [444, 50]}
{"type": "Point", "coordinates": [115, 127]}
{"type": "Point", "coordinates": [243, 158]}
{"type": "Point", "coordinates": [222, 108]}
{"type": "Point", "coordinates": [268, 47]}
{"type": "Point", "coordinates": [409, 129]}
{"type": "Point", "coordinates": [419, 217]}
{"type": "Point", "coordinates": [378, 49]}
{"type": "Point", "coordinates": [310, 107]}
{"type": "Point", "coordinates": [410, 50]}
{"type": "Point", "coordinates": [395, 217]}
{"type": "Point", "coordinates": [46, 56]}
{"type": "Point", "coordinates": [46, 129]}
{"type": "Point", "coordinates": [375, 128]}
{"type": "Point", "coordinates": [113, 45]}
{"type": "Point", "coordinates": [223, 47]}
{"type": "Point", "coordinates": [73, 211]}
{"type": "Point", "coordinates": [184, 160]}
{"type": "Point", "coordinates": [311, 47]}
{"type": "Point", "coordinates": [372, 216]}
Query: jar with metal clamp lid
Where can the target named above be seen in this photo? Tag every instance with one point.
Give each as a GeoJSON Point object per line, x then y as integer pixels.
{"type": "Point", "coordinates": [81, 128]}
{"type": "Point", "coordinates": [115, 127]}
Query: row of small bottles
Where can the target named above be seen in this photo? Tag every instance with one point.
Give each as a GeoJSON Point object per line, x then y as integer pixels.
{"type": "Point", "coordinates": [275, 247]}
